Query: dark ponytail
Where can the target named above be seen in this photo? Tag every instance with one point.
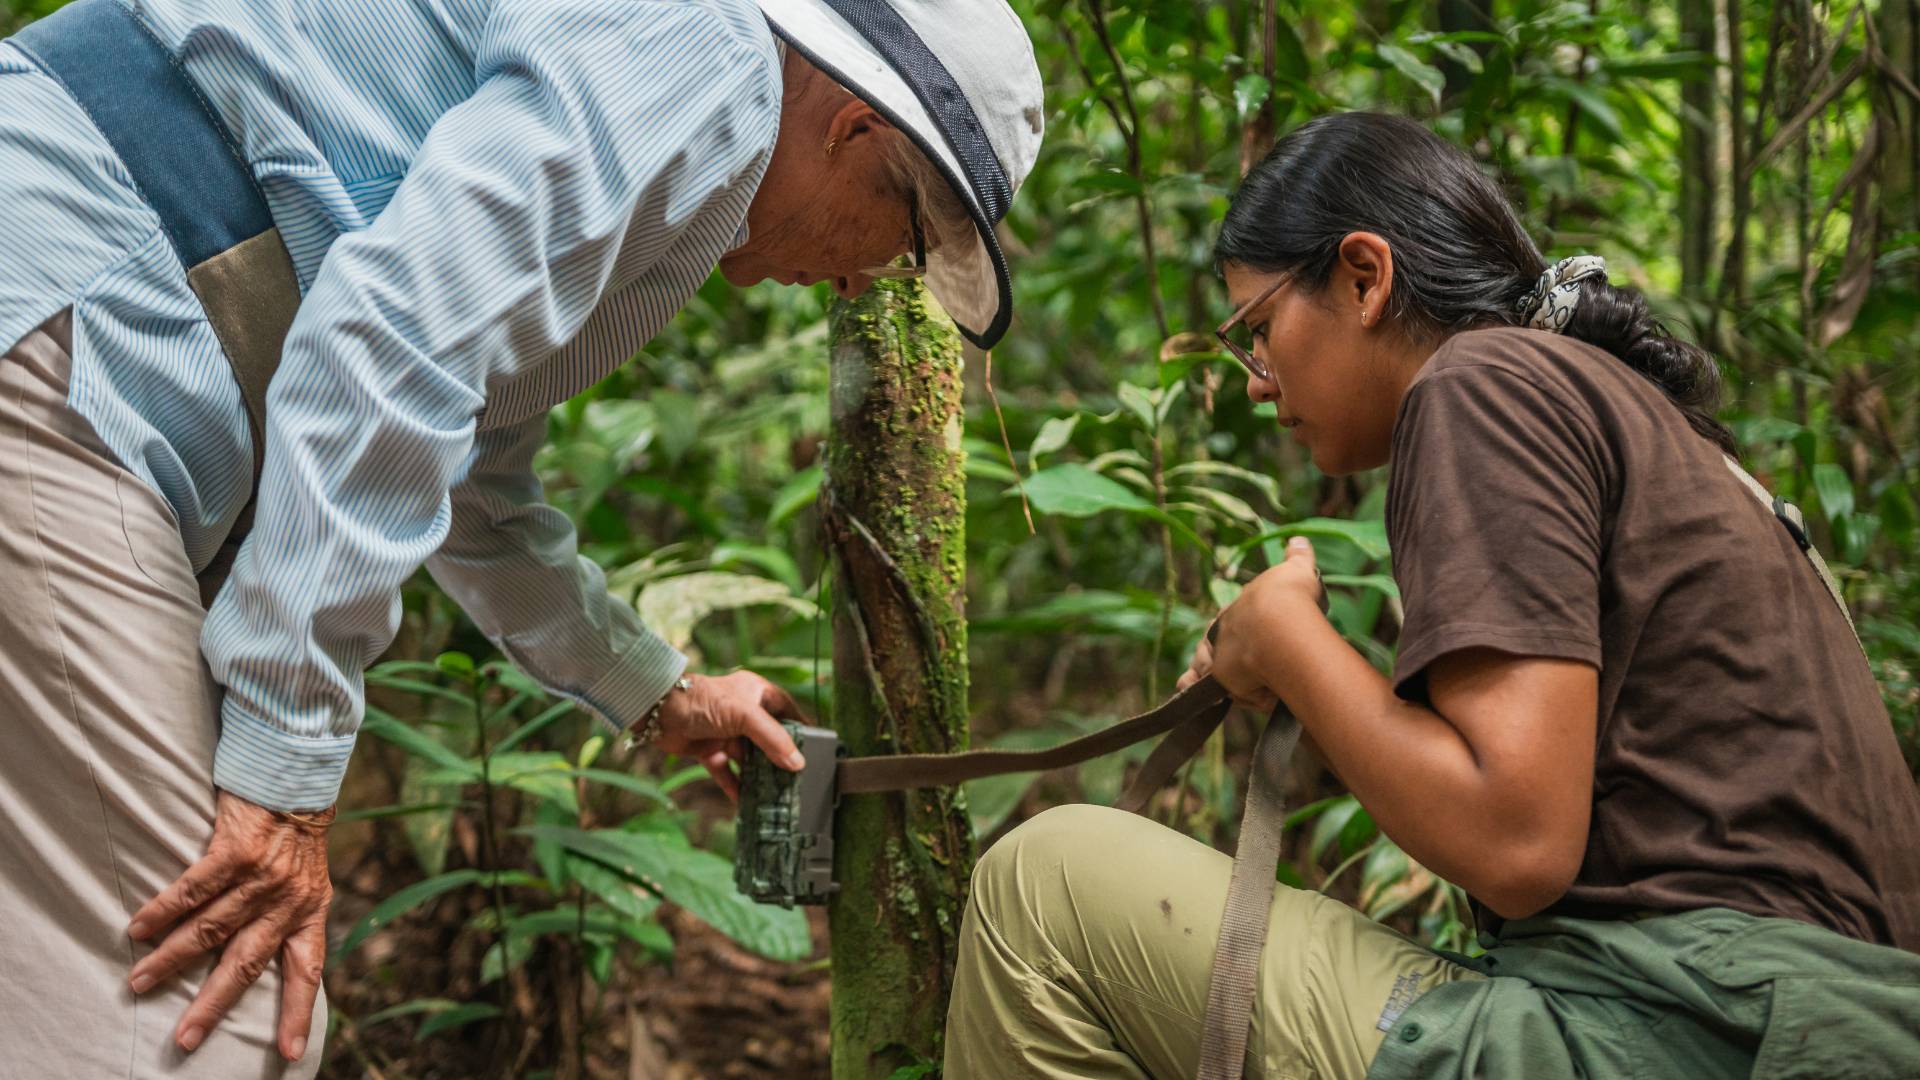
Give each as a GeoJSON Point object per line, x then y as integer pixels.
{"type": "Point", "coordinates": [1461, 258]}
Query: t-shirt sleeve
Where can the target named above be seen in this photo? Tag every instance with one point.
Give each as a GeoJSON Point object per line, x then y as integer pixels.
{"type": "Point", "coordinates": [1495, 516]}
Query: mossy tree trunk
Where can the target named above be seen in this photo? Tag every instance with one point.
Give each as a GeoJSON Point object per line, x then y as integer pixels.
{"type": "Point", "coordinates": [894, 512]}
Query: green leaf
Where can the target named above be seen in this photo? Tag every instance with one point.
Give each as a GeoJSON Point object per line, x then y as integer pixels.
{"type": "Point", "coordinates": [640, 786]}
{"type": "Point", "coordinates": [1334, 819]}
{"type": "Point", "coordinates": [413, 741]}
{"type": "Point", "coordinates": [671, 607]}
{"type": "Point", "coordinates": [457, 664]}
{"type": "Point", "coordinates": [1265, 483]}
{"type": "Point", "coordinates": [1053, 435]}
{"type": "Point", "coordinates": [1142, 403]}
{"type": "Point", "coordinates": [530, 728]}
{"type": "Point", "coordinates": [405, 1008]}
{"type": "Point", "coordinates": [1369, 536]}
{"type": "Point", "coordinates": [1592, 104]}
{"type": "Point", "coordinates": [383, 813]}
{"type": "Point", "coordinates": [698, 881]}
{"type": "Point", "coordinates": [1462, 54]}
{"type": "Point", "coordinates": [773, 560]}
{"type": "Point", "coordinates": [800, 491]}
{"type": "Point", "coordinates": [1076, 491]}
{"type": "Point", "coordinates": [1673, 65]}
{"type": "Point", "coordinates": [455, 1017]}
{"type": "Point", "coordinates": [1835, 489]}
{"type": "Point", "coordinates": [544, 774]}
{"type": "Point", "coordinates": [1250, 92]}
{"type": "Point", "coordinates": [402, 902]}
{"type": "Point", "coordinates": [1380, 583]}
{"type": "Point", "coordinates": [612, 890]}
{"type": "Point", "coordinates": [1422, 73]}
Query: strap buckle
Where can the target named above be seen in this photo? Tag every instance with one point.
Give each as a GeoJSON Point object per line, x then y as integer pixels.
{"type": "Point", "coordinates": [1795, 522]}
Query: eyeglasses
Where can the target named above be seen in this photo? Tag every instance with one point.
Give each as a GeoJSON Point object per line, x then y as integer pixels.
{"type": "Point", "coordinates": [1244, 353]}
{"type": "Point", "coordinates": [918, 267]}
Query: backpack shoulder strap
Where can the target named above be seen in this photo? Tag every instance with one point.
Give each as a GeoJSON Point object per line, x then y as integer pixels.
{"type": "Point", "coordinates": [1796, 526]}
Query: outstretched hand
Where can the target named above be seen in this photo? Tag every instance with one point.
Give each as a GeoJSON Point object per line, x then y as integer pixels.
{"type": "Point", "coordinates": [259, 894]}
{"type": "Point", "coordinates": [712, 720]}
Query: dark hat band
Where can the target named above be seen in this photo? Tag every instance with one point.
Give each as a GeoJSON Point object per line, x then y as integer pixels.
{"type": "Point", "coordinates": [933, 84]}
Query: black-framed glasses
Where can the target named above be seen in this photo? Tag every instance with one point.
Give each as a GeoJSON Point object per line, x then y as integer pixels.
{"type": "Point", "coordinates": [1244, 353]}
{"type": "Point", "coordinates": [918, 267]}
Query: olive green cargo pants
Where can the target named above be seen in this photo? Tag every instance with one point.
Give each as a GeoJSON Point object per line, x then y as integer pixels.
{"type": "Point", "coordinates": [1087, 945]}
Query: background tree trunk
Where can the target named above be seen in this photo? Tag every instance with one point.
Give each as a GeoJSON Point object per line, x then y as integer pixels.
{"type": "Point", "coordinates": [1699, 164]}
{"type": "Point", "coordinates": [894, 509]}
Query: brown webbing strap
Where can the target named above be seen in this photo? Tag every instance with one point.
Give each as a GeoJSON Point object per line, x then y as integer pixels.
{"type": "Point", "coordinates": [250, 295]}
{"type": "Point", "coordinates": [1189, 718]}
{"type": "Point", "coordinates": [1203, 702]}
{"type": "Point", "coordinates": [1168, 755]}
{"type": "Point", "coordinates": [1243, 927]}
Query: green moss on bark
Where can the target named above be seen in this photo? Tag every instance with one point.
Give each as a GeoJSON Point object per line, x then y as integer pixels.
{"type": "Point", "coordinates": [895, 465]}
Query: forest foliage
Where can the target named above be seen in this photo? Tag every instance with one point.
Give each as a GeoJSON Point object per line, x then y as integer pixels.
{"type": "Point", "coordinates": [1751, 166]}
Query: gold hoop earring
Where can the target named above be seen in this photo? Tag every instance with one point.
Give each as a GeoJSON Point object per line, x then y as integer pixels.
{"type": "Point", "coordinates": [831, 145]}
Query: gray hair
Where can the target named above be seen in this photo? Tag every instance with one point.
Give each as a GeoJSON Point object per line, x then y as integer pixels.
{"type": "Point", "coordinates": [943, 213]}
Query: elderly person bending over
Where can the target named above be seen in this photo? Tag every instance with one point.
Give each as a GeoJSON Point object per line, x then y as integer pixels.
{"type": "Point", "coordinates": [485, 208]}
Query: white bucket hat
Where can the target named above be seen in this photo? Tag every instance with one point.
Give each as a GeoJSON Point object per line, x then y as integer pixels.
{"type": "Point", "coordinates": [959, 78]}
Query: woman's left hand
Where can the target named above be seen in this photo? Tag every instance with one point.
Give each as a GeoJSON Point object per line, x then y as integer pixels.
{"type": "Point", "coordinates": [1256, 631]}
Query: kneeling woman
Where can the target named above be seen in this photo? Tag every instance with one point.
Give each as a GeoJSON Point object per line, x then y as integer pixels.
{"type": "Point", "coordinates": [1627, 716]}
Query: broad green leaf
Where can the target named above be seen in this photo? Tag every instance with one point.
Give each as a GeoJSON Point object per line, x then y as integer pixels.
{"type": "Point", "coordinates": [1333, 820]}
{"type": "Point", "coordinates": [775, 561]}
{"type": "Point", "coordinates": [1673, 65]}
{"type": "Point", "coordinates": [639, 785]}
{"type": "Point", "coordinates": [1835, 489]}
{"type": "Point", "coordinates": [698, 881]}
{"type": "Point", "coordinates": [534, 726]}
{"type": "Point", "coordinates": [799, 492]}
{"type": "Point", "coordinates": [1141, 403]}
{"type": "Point", "coordinates": [613, 890]}
{"type": "Point", "coordinates": [1233, 506]}
{"type": "Point", "coordinates": [1369, 536]}
{"type": "Point", "coordinates": [405, 1008]}
{"type": "Point", "coordinates": [1076, 491]}
{"type": "Point", "coordinates": [1380, 583]}
{"type": "Point", "coordinates": [1593, 104]}
{"type": "Point", "coordinates": [398, 810]}
{"type": "Point", "coordinates": [1422, 73]}
{"type": "Point", "coordinates": [403, 901]}
{"type": "Point", "coordinates": [413, 741]}
{"type": "Point", "coordinates": [1053, 435]}
{"type": "Point", "coordinates": [670, 607]}
{"type": "Point", "coordinates": [1265, 483]}
{"type": "Point", "coordinates": [457, 664]}
{"type": "Point", "coordinates": [456, 1017]}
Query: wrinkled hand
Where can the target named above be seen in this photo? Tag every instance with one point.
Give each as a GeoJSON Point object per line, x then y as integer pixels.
{"type": "Point", "coordinates": [260, 893]}
{"type": "Point", "coordinates": [709, 721]}
{"type": "Point", "coordinates": [1250, 635]}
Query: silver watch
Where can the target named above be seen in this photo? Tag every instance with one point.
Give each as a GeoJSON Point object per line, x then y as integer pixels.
{"type": "Point", "coordinates": [648, 729]}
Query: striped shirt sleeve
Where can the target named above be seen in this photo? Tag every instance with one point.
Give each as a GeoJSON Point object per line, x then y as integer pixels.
{"type": "Point", "coordinates": [512, 562]}
{"type": "Point", "coordinates": [597, 129]}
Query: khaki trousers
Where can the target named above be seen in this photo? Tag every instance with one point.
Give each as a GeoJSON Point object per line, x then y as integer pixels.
{"type": "Point", "coordinates": [1087, 944]}
{"type": "Point", "coordinates": [106, 769]}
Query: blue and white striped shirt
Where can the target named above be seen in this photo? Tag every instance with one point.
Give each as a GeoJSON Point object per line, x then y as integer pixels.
{"type": "Point", "coordinates": [490, 204]}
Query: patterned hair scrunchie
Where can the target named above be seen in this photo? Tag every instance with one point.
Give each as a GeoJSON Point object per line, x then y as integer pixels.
{"type": "Point", "coordinates": [1549, 305]}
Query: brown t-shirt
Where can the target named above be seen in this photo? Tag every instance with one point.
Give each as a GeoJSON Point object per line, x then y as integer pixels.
{"type": "Point", "coordinates": [1546, 500]}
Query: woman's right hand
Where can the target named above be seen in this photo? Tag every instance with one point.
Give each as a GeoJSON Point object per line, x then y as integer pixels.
{"type": "Point", "coordinates": [1202, 665]}
{"type": "Point", "coordinates": [712, 719]}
